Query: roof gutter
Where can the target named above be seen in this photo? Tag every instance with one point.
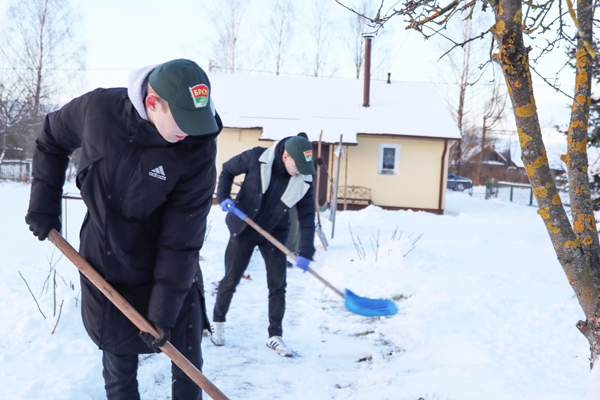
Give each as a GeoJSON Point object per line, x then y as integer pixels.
{"type": "Point", "coordinates": [442, 169]}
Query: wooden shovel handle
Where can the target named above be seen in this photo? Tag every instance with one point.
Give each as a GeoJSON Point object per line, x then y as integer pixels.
{"type": "Point", "coordinates": [134, 316]}
{"type": "Point", "coordinates": [287, 252]}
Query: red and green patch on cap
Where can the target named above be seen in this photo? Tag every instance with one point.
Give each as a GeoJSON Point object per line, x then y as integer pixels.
{"type": "Point", "coordinates": [308, 155]}
{"type": "Point", "coordinates": [200, 95]}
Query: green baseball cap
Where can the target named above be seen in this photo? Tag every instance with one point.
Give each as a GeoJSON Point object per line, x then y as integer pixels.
{"type": "Point", "coordinates": [186, 87]}
{"type": "Point", "coordinates": [300, 149]}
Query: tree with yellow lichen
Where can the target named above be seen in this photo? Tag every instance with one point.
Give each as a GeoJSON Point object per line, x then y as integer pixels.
{"type": "Point", "coordinates": [576, 244]}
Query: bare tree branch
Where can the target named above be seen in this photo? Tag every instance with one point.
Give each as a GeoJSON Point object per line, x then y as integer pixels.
{"type": "Point", "coordinates": [32, 295]}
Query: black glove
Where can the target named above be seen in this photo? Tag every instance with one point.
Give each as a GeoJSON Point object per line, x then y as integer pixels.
{"type": "Point", "coordinates": [41, 224]}
{"type": "Point", "coordinates": [154, 343]}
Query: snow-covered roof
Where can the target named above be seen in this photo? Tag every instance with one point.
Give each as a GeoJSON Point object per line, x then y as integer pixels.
{"type": "Point", "coordinates": [283, 106]}
{"type": "Point", "coordinates": [553, 150]}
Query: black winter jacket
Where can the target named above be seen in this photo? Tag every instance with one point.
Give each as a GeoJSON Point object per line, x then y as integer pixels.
{"type": "Point", "coordinates": [147, 204]}
{"type": "Point", "coordinates": [273, 213]}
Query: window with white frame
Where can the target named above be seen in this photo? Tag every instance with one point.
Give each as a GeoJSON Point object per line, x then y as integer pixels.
{"type": "Point", "coordinates": [389, 158]}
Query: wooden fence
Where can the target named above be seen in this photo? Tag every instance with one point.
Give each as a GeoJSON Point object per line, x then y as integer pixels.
{"type": "Point", "coordinates": [19, 171]}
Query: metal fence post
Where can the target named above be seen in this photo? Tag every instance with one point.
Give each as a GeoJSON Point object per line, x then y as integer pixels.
{"type": "Point", "coordinates": [531, 196]}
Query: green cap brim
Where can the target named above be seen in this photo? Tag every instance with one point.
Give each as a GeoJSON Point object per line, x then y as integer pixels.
{"type": "Point", "coordinates": [306, 168]}
{"type": "Point", "coordinates": [195, 122]}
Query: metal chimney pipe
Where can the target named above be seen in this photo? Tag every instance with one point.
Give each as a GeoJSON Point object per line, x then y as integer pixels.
{"type": "Point", "coordinates": [367, 87]}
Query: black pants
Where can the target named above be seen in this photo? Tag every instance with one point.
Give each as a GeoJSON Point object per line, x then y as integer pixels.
{"type": "Point", "coordinates": [237, 257]}
{"type": "Point", "coordinates": [120, 370]}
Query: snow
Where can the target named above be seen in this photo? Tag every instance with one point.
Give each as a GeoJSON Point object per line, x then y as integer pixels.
{"type": "Point", "coordinates": [485, 312]}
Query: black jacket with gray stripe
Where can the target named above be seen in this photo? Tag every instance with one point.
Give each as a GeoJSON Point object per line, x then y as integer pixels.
{"type": "Point", "coordinates": [267, 194]}
{"type": "Point", "coordinates": [147, 204]}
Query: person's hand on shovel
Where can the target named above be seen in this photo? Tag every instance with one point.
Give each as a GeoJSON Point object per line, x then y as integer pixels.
{"type": "Point", "coordinates": [41, 224]}
{"type": "Point", "coordinates": [152, 342]}
{"type": "Point", "coordinates": [302, 263]}
{"type": "Point", "coordinates": [228, 205]}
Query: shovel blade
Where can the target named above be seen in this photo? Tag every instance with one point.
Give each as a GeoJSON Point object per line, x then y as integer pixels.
{"type": "Point", "coordinates": [322, 237]}
{"type": "Point", "coordinates": [369, 307]}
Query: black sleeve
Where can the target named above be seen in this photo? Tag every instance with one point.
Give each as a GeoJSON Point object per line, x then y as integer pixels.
{"type": "Point", "coordinates": [306, 220]}
{"type": "Point", "coordinates": [181, 238]}
{"type": "Point", "coordinates": [59, 137]}
{"type": "Point", "coordinates": [235, 166]}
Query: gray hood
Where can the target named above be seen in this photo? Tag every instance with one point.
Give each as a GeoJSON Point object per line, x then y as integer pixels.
{"type": "Point", "coordinates": [136, 90]}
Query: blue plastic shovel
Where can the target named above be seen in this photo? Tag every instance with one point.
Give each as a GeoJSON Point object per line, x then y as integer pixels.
{"type": "Point", "coordinates": [354, 303]}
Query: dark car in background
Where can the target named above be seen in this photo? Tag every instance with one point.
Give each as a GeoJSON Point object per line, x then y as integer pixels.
{"type": "Point", "coordinates": [458, 183]}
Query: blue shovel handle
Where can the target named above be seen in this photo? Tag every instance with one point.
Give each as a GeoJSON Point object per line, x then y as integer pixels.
{"type": "Point", "coordinates": [354, 303]}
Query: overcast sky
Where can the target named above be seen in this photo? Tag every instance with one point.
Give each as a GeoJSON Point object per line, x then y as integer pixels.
{"type": "Point", "coordinates": [124, 35]}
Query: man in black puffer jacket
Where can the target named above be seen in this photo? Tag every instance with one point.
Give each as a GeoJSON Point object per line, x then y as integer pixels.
{"type": "Point", "coordinates": [276, 179]}
{"type": "Point", "coordinates": [147, 175]}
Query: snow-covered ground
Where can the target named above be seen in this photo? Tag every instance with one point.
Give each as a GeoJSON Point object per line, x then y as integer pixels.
{"type": "Point", "coordinates": [486, 312]}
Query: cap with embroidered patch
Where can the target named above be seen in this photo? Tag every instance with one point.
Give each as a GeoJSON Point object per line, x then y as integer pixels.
{"type": "Point", "coordinates": [301, 150]}
{"type": "Point", "coordinates": [186, 87]}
